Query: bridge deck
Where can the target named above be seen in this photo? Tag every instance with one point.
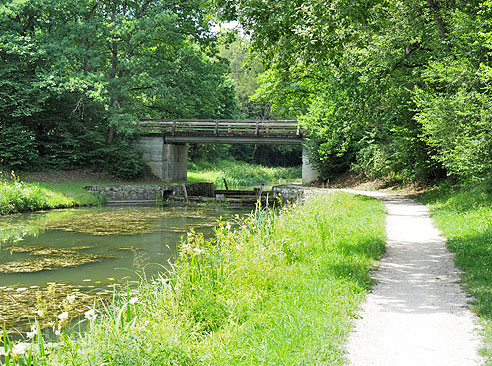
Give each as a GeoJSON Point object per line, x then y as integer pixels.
{"type": "Point", "coordinates": [283, 129]}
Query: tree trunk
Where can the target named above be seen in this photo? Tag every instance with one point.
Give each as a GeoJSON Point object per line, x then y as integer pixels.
{"type": "Point", "coordinates": [114, 97]}
{"type": "Point", "coordinates": [441, 27]}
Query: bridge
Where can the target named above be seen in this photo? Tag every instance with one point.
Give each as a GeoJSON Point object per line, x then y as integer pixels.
{"type": "Point", "coordinates": [164, 141]}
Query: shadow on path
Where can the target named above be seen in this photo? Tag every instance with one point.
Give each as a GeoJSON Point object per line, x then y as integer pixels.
{"type": "Point", "coordinates": [417, 313]}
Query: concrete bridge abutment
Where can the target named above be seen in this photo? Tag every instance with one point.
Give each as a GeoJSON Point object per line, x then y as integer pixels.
{"type": "Point", "coordinates": [169, 162]}
{"type": "Point", "coordinates": [309, 173]}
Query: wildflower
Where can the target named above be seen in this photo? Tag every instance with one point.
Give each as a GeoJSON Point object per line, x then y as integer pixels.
{"type": "Point", "coordinates": [33, 332]}
{"type": "Point", "coordinates": [198, 250]}
{"type": "Point", "coordinates": [133, 300]}
{"type": "Point", "coordinates": [63, 316]}
{"type": "Point", "coordinates": [18, 350]}
{"type": "Point", "coordinates": [39, 312]}
{"type": "Point", "coordinates": [90, 314]}
{"type": "Point", "coordinates": [71, 299]}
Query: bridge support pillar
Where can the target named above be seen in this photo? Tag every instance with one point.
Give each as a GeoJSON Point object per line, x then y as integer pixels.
{"type": "Point", "coordinates": [169, 162]}
{"type": "Point", "coordinates": [309, 173]}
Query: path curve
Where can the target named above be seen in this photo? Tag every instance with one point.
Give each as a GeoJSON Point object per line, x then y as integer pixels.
{"type": "Point", "coordinates": [417, 313]}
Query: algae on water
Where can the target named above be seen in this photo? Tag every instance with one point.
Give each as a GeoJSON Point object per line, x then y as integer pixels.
{"type": "Point", "coordinates": [114, 222]}
{"type": "Point", "coordinates": [21, 306]}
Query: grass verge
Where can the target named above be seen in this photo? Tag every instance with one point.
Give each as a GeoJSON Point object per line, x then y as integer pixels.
{"type": "Point", "coordinates": [240, 173]}
{"type": "Point", "coordinates": [18, 196]}
{"type": "Point", "coordinates": [279, 290]}
{"type": "Point", "coordinates": [465, 218]}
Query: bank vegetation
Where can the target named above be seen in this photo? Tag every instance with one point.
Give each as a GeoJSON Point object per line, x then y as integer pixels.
{"type": "Point", "coordinates": [281, 288]}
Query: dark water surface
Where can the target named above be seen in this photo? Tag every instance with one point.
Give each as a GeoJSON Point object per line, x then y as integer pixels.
{"type": "Point", "coordinates": [92, 248]}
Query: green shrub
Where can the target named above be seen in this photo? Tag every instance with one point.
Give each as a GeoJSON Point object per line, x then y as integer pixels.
{"type": "Point", "coordinates": [18, 148]}
{"type": "Point", "coordinates": [122, 160]}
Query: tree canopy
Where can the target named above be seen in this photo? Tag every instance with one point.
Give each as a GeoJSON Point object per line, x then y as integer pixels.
{"type": "Point", "coordinates": [76, 75]}
{"type": "Point", "coordinates": [385, 87]}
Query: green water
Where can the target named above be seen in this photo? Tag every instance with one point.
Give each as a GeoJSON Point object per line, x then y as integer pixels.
{"type": "Point", "coordinates": [90, 250]}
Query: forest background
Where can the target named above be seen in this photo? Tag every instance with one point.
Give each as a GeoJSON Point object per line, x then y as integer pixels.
{"type": "Point", "coordinates": [390, 89]}
{"type": "Point", "coordinates": [75, 76]}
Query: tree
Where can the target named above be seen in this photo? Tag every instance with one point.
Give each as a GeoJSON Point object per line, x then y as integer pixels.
{"type": "Point", "coordinates": [78, 74]}
{"type": "Point", "coordinates": [364, 77]}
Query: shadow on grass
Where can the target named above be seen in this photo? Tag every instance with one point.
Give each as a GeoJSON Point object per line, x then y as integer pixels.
{"type": "Point", "coordinates": [464, 216]}
{"type": "Point", "coordinates": [473, 254]}
{"type": "Point", "coordinates": [352, 264]}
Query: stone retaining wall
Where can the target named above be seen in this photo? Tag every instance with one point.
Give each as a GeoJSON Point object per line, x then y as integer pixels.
{"type": "Point", "coordinates": [111, 193]}
{"type": "Point", "coordinates": [292, 193]}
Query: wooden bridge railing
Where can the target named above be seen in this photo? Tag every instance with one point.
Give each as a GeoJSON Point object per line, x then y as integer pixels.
{"type": "Point", "coordinates": [223, 127]}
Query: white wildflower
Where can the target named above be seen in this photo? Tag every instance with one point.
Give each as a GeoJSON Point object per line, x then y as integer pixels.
{"type": "Point", "coordinates": [71, 299]}
{"type": "Point", "coordinates": [63, 316]}
{"type": "Point", "coordinates": [18, 350]}
{"type": "Point", "coordinates": [39, 312]}
{"type": "Point", "coordinates": [33, 332]}
{"type": "Point", "coordinates": [198, 251]}
{"type": "Point", "coordinates": [90, 314]}
{"type": "Point", "coordinates": [133, 300]}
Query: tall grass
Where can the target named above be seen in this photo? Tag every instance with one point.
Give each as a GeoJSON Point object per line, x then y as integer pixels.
{"type": "Point", "coordinates": [240, 173]}
{"type": "Point", "coordinates": [465, 218]}
{"type": "Point", "coordinates": [18, 196]}
{"type": "Point", "coordinates": [280, 290]}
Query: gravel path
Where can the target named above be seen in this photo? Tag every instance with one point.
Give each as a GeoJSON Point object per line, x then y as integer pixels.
{"type": "Point", "coordinates": [417, 313]}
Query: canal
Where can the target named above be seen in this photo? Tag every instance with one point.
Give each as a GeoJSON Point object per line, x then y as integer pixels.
{"type": "Point", "coordinates": [61, 260]}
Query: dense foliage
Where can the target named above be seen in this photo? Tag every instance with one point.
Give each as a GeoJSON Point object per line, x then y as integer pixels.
{"type": "Point", "coordinates": [387, 88]}
{"type": "Point", "coordinates": [245, 69]}
{"type": "Point", "coordinates": [75, 75]}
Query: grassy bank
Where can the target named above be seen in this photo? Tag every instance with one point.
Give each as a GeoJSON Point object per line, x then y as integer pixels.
{"type": "Point", "coordinates": [279, 290]}
{"type": "Point", "coordinates": [240, 173]}
{"type": "Point", "coordinates": [18, 196]}
{"type": "Point", "coordinates": [465, 218]}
